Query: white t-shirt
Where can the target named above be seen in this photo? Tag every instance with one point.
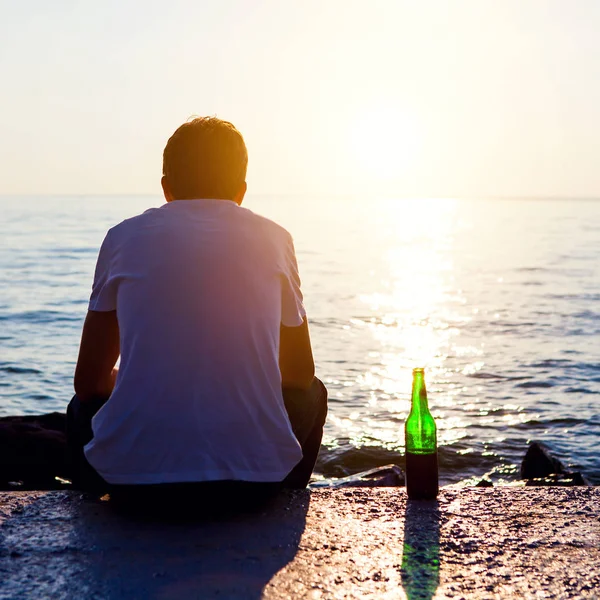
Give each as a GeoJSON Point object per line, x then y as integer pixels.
{"type": "Point", "coordinates": [200, 288]}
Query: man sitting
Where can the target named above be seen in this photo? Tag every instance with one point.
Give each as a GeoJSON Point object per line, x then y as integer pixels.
{"type": "Point", "coordinates": [201, 299]}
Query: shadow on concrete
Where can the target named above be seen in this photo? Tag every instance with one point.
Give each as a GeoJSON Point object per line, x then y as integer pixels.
{"type": "Point", "coordinates": [421, 550]}
{"type": "Point", "coordinates": [225, 556]}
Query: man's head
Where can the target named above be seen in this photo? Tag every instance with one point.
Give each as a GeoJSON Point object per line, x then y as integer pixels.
{"type": "Point", "coordinates": [205, 158]}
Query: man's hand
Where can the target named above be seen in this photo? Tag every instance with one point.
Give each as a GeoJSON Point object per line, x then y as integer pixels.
{"type": "Point", "coordinates": [99, 350]}
{"type": "Point", "coordinates": [295, 357]}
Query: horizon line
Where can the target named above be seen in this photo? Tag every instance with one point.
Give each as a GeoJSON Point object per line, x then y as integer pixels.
{"type": "Point", "coordinates": [303, 194]}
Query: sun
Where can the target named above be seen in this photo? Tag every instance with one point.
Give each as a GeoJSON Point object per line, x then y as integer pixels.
{"type": "Point", "coordinates": [385, 142]}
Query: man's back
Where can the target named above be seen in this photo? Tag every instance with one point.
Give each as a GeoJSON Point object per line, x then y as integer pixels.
{"type": "Point", "coordinates": [200, 288]}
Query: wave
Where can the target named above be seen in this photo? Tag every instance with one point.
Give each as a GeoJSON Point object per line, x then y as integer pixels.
{"type": "Point", "coordinates": [531, 269]}
{"type": "Point", "coordinates": [456, 462]}
{"type": "Point", "coordinates": [563, 364]}
{"type": "Point", "coordinates": [547, 423]}
{"type": "Point", "coordinates": [65, 252]}
{"type": "Point", "coordinates": [485, 375]}
{"type": "Point", "coordinates": [552, 363]}
{"type": "Point", "coordinates": [19, 370]}
{"type": "Point", "coordinates": [42, 316]}
{"type": "Point", "coordinates": [535, 384]}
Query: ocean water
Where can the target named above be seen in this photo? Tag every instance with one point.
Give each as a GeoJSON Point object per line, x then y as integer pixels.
{"type": "Point", "coordinates": [498, 299]}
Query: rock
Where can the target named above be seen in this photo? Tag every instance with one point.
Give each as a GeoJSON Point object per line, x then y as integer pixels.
{"type": "Point", "coordinates": [386, 476]}
{"type": "Point", "coordinates": [535, 543]}
{"type": "Point", "coordinates": [539, 463]}
{"type": "Point", "coordinates": [54, 421]}
{"type": "Point", "coordinates": [484, 482]}
{"type": "Point", "coordinates": [33, 451]}
{"type": "Point", "coordinates": [540, 468]}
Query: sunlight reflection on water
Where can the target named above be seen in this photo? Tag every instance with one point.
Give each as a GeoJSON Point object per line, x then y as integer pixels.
{"type": "Point", "coordinates": [419, 315]}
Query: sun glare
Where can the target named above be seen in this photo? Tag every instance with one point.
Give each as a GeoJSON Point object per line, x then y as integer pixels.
{"type": "Point", "coordinates": [415, 328]}
{"type": "Point", "coordinates": [385, 142]}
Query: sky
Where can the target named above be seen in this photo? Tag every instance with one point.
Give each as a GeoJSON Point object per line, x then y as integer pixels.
{"type": "Point", "coordinates": [418, 98]}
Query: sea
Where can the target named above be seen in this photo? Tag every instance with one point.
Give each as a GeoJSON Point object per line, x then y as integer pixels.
{"type": "Point", "coordinates": [498, 299]}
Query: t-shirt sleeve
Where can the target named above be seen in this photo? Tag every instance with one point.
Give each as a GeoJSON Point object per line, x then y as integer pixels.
{"type": "Point", "coordinates": [104, 290]}
{"type": "Point", "coordinates": [292, 306]}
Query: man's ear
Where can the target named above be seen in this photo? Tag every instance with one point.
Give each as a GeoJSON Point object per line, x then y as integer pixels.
{"type": "Point", "coordinates": [166, 189]}
{"type": "Point", "coordinates": [239, 197]}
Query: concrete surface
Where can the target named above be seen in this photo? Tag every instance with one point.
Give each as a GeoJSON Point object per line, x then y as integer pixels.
{"type": "Point", "coordinates": [362, 543]}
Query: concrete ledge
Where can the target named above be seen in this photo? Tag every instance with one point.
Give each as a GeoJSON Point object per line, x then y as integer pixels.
{"type": "Point", "coordinates": [352, 543]}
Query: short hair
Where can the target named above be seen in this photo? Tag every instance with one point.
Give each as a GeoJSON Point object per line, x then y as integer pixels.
{"type": "Point", "coordinates": [205, 158]}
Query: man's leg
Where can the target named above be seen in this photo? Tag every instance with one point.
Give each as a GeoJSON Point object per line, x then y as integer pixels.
{"type": "Point", "coordinates": [200, 499]}
{"type": "Point", "coordinates": [79, 433]}
{"type": "Point", "coordinates": [307, 410]}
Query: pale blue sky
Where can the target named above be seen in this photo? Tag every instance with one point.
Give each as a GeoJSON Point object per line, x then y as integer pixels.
{"type": "Point", "coordinates": [480, 97]}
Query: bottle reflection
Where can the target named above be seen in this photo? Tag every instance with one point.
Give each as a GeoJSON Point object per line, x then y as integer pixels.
{"type": "Point", "coordinates": [421, 553]}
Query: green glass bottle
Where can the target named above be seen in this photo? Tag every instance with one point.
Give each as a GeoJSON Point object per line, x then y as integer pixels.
{"type": "Point", "coordinates": [421, 444]}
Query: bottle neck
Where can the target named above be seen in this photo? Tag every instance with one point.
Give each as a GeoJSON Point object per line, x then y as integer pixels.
{"type": "Point", "coordinates": [419, 393]}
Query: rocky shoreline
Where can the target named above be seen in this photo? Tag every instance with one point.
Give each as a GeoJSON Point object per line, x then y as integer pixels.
{"type": "Point", "coordinates": [33, 456]}
{"type": "Point", "coordinates": [33, 452]}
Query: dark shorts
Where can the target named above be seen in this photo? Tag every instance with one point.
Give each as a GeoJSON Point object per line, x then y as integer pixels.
{"type": "Point", "coordinates": [307, 410]}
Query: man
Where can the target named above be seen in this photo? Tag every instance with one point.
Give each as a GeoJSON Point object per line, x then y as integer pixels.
{"type": "Point", "coordinates": [201, 299]}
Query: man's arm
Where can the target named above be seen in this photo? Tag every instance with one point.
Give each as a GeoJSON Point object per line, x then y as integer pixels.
{"type": "Point", "coordinates": [98, 354]}
{"type": "Point", "coordinates": [295, 357]}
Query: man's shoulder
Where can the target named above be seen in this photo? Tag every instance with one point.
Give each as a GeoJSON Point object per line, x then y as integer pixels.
{"type": "Point", "coordinates": [266, 225]}
{"type": "Point", "coordinates": [127, 226]}
{"type": "Point", "coordinates": [265, 228]}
